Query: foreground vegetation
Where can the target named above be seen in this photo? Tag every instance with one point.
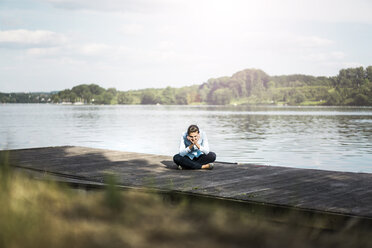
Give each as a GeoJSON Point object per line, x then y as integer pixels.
{"type": "Point", "coordinates": [352, 86]}
{"type": "Point", "coordinates": [44, 214]}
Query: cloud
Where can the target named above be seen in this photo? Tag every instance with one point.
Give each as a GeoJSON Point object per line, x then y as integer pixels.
{"type": "Point", "coordinates": [95, 49]}
{"type": "Point", "coordinates": [324, 56]}
{"type": "Point", "coordinates": [113, 5]}
{"type": "Point", "coordinates": [132, 29]}
{"type": "Point", "coordinates": [336, 66]}
{"type": "Point", "coordinates": [10, 22]}
{"type": "Point", "coordinates": [22, 38]}
{"type": "Point", "coordinates": [338, 55]}
{"type": "Point", "coordinates": [114, 55]}
{"type": "Point", "coordinates": [313, 41]}
{"type": "Point", "coordinates": [315, 10]}
{"type": "Point", "coordinates": [74, 51]}
{"type": "Point", "coordinates": [323, 10]}
{"type": "Point", "coordinates": [351, 65]}
{"type": "Point", "coordinates": [43, 52]}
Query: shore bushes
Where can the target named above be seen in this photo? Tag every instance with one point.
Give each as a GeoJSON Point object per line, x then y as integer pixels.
{"type": "Point", "coordinates": [351, 87]}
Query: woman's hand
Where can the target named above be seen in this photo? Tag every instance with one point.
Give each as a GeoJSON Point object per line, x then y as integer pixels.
{"type": "Point", "coordinates": [196, 140]}
{"type": "Point", "coordinates": [191, 146]}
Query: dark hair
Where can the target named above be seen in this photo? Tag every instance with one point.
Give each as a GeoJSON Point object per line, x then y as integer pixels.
{"type": "Point", "coordinates": [192, 129]}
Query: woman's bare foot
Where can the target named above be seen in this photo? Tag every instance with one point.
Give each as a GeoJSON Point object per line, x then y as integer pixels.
{"type": "Point", "coordinates": [207, 166]}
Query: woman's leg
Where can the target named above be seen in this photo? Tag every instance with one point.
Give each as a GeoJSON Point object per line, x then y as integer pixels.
{"type": "Point", "coordinates": [186, 162]}
{"type": "Point", "coordinates": [206, 158]}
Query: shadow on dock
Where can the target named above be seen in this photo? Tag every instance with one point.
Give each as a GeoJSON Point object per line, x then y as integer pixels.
{"type": "Point", "coordinates": [325, 199]}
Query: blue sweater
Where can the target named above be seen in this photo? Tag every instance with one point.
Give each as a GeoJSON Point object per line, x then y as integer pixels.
{"type": "Point", "coordinates": [194, 152]}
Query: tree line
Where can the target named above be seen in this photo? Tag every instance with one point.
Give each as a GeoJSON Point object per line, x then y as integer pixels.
{"type": "Point", "coordinates": [352, 86]}
{"type": "Point", "coordinates": [35, 97]}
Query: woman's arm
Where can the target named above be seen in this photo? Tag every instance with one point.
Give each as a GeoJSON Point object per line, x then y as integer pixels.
{"type": "Point", "coordinates": [204, 147]}
{"type": "Point", "coordinates": [183, 149]}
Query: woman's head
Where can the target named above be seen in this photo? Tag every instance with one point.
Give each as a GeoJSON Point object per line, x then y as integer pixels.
{"type": "Point", "coordinates": [192, 129]}
{"type": "Point", "coordinates": [193, 132]}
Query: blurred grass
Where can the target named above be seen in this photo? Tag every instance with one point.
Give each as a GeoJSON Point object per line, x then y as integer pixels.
{"type": "Point", "coordinates": [45, 214]}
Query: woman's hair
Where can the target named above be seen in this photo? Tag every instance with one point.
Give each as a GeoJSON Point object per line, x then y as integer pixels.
{"type": "Point", "coordinates": [192, 129]}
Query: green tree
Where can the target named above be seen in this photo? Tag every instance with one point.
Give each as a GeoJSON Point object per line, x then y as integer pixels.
{"type": "Point", "coordinates": [361, 100]}
{"type": "Point", "coordinates": [125, 98]}
{"type": "Point", "coordinates": [148, 97]}
{"type": "Point", "coordinates": [107, 97]}
{"type": "Point", "coordinates": [72, 97]}
{"type": "Point", "coordinates": [334, 98]}
{"type": "Point", "coordinates": [222, 96]}
{"type": "Point", "coordinates": [369, 73]}
{"type": "Point", "coordinates": [299, 97]}
{"type": "Point", "coordinates": [168, 96]}
{"type": "Point", "coordinates": [112, 91]}
{"type": "Point", "coordinates": [55, 98]}
{"type": "Point", "coordinates": [181, 98]}
{"type": "Point", "coordinates": [96, 89]}
{"type": "Point", "coordinates": [352, 86]}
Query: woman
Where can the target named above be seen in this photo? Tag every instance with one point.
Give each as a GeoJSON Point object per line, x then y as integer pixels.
{"type": "Point", "coordinates": [194, 150]}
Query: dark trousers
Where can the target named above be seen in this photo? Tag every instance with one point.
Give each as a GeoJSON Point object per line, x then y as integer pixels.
{"type": "Point", "coordinates": [186, 163]}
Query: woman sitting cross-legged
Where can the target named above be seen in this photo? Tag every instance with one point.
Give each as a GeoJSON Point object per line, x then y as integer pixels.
{"type": "Point", "coordinates": [194, 150]}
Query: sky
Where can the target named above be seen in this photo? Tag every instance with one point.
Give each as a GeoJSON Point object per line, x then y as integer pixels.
{"type": "Point", "coordinates": [48, 45]}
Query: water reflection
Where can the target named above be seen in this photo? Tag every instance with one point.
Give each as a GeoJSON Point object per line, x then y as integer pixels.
{"type": "Point", "coordinates": [313, 137]}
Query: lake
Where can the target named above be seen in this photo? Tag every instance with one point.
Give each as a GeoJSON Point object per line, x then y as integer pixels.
{"type": "Point", "coordinates": [329, 138]}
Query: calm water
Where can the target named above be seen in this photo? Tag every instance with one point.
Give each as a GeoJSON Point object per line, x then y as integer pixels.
{"type": "Point", "coordinates": [315, 137]}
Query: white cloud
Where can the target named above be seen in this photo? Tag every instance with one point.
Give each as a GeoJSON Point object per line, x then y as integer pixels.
{"type": "Point", "coordinates": [342, 64]}
{"type": "Point", "coordinates": [332, 56]}
{"type": "Point", "coordinates": [168, 29]}
{"type": "Point", "coordinates": [73, 52]}
{"type": "Point", "coordinates": [132, 29]}
{"type": "Point", "coordinates": [338, 55]}
{"type": "Point", "coordinates": [22, 38]}
{"type": "Point", "coordinates": [9, 22]}
{"type": "Point", "coordinates": [314, 10]}
{"type": "Point", "coordinates": [351, 65]}
{"type": "Point", "coordinates": [95, 49]}
{"type": "Point", "coordinates": [335, 66]}
{"type": "Point", "coordinates": [114, 5]}
{"type": "Point", "coordinates": [313, 41]}
{"type": "Point", "coordinates": [324, 56]}
{"type": "Point", "coordinates": [310, 10]}
{"type": "Point", "coordinates": [166, 45]}
{"type": "Point", "coordinates": [43, 52]}
{"type": "Point", "coordinates": [183, 40]}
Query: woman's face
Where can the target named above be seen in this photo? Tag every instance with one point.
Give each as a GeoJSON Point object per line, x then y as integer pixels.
{"type": "Point", "coordinates": [194, 136]}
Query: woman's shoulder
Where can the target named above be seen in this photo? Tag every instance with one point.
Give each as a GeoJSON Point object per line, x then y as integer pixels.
{"type": "Point", "coordinates": [202, 133]}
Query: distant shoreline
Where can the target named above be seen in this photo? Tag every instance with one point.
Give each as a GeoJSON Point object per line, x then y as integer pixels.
{"type": "Point", "coordinates": [351, 87]}
{"type": "Point", "coordinates": [195, 105]}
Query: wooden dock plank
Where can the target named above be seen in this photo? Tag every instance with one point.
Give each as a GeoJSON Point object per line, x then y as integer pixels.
{"type": "Point", "coordinates": [341, 192]}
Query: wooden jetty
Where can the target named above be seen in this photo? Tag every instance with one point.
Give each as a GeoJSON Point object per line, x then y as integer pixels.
{"type": "Point", "coordinates": [342, 193]}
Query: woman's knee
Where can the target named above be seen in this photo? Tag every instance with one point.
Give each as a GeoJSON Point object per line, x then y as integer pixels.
{"type": "Point", "coordinates": [212, 156]}
{"type": "Point", "coordinates": [177, 158]}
